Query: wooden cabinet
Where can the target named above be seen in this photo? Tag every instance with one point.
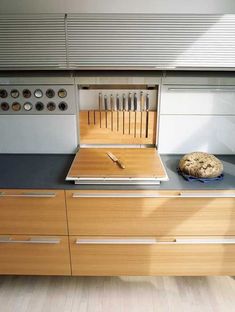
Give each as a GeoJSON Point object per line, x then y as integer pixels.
{"type": "Point", "coordinates": [33, 212]}
{"type": "Point", "coordinates": [34, 255]}
{"type": "Point", "coordinates": [117, 232]}
{"type": "Point", "coordinates": [150, 256]}
{"type": "Point", "coordinates": [151, 212]}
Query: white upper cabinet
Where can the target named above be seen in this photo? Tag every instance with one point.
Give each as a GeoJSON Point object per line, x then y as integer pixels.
{"type": "Point", "coordinates": [32, 41]}
{"type": "Point", "coordinates": [156, 41]}
{"type": "Point", "coordinates": [201, 100]}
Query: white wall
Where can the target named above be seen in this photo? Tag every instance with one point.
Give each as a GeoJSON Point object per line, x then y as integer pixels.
{"type": "Point", "coordinates": [117, 6]}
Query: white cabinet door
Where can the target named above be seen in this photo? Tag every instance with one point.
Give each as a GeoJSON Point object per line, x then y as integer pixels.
{"type": "Point", "coordinates": [201, 100]}
{"type": "Point", "coordinates": [183, 134]}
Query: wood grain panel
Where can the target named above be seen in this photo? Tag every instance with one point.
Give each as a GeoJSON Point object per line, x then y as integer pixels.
{"type": "Point", "coordinates": [35, 259]}
{"type": "Point", "coordinates": [162, 259]}
{"type": "Point", "coordinates": [149, 216]}
{"type": "Point", "coordinates": [94, 162]}
{"type": "Point", "coordinates": [107, 127]}
{"type": "Point", "coordinates": [33, 215]}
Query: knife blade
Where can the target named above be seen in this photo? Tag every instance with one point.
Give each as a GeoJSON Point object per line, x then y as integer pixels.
{"type": "Point", "coordinates": [116, 160]}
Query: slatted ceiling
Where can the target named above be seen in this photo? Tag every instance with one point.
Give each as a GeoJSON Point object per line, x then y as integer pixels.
{"type": "Point", "coordinates": [107, 40]}
{"type": "Point", "coordinates": [32, 41]}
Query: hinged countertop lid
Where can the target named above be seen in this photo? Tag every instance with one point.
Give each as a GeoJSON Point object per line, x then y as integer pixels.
{"type": "Point", "coordinates": [95, 163]}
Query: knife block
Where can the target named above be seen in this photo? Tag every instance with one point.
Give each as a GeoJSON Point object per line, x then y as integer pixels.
{"type": "Point", "coordinates": [118, 127]}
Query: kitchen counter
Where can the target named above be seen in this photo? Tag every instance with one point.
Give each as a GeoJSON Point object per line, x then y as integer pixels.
{"type": "Point", "coordinates": [48, 171]}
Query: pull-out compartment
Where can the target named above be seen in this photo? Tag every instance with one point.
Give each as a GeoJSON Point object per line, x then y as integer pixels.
{"type": "Point", "coordinates": [30, 255]}
{"type": "Point", "coordinates": [105, 212]}
{"type": "Point", "coordinates": [152, 256]}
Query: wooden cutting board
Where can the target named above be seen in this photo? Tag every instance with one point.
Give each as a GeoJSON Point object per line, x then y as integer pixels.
{"type": "Point", "coordinates": [95, 163]}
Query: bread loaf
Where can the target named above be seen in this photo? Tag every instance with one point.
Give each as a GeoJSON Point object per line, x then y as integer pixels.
{"type": "Point", "coordinates": [201, 165]}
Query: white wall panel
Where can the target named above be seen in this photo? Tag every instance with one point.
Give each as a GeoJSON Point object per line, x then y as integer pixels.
{"type": "Point", "coordinates": [38, 134]}
{"type": "Point", "coordinates": [183, 134]}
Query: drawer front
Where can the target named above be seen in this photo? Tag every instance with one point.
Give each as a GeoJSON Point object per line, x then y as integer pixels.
{"type": "Point", "coordinates": [32, 212]}
{"type": "Point", "coordinates": [34, 255]}
{"type": "Point", "coordinates": [166, 214]}
{"type": "Point", "coordinates": [115, 257]}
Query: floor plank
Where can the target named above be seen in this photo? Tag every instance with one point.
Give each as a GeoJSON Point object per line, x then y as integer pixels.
{"type": "Point", "coordinates": [117, 294]}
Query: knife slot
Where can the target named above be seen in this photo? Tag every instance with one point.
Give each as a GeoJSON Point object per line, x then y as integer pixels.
{"type": "Point", "coordinates": [112, 127]}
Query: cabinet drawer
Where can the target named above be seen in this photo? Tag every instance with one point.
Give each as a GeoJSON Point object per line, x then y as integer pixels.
{"type": "Point", "coordinates": [34, 255]}
{"type": "Point", "coordinates": [151, 213]}
{"type": "Point", "coordinates": [148, 256]}
{"type": "Point", "coordinates": [32, 212]}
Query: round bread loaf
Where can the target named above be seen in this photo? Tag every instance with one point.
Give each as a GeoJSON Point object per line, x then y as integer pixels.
{"type": "Point", "coordinates": [201, 165]}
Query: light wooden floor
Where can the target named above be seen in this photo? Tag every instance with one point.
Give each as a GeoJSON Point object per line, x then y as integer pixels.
{"type": "Point", "coordinates": [114, 294]}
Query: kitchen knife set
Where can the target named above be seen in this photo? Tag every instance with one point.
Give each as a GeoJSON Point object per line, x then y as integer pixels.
{"type": "Point", "coordinates": [122, 105]}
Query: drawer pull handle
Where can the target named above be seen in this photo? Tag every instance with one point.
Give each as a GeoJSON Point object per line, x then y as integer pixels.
{"type": "Point", "coordinates": [34, 240]}
{"type": "Point", "coordinates": [29, 195]}
{"type": "Point", "coordinates": [216, 89]}
{"type": "Point", "coordinates": [205, 194]}
{"type": "Point", "coordinates": [118, 195]}
{"type": "Point", "coordinates": [156, 195]}
{"type": "Point", "coordinates": [116, 241]}
{"type": "Point", "coordinates": [153, 241]}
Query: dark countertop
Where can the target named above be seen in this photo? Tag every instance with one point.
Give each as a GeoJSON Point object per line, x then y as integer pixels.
{"type": "Point", "coordinates": [48, 171]}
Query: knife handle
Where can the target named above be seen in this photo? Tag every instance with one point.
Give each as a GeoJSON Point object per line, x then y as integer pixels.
{"type": "Point", "coordinates": [120, 164]}
{"type": "Point", "coordinates": [129, 101]}
{"type": "Point", "coordinates": [135, 102]}
{"type": "Point", "coordinates": [105, 103]}
{"type": "Point", "coordinates": [124, 102]}
{"type": "Point", "coordinates": [100, 101]}
{"type": "Point", "coordinates": [141, 100]}
{"type": "Point", "coordinates": [111, 102]}
{"type": "Point", "coordinates": [147, 102]}
{"type": "Point", "coordinates": [118, 102]}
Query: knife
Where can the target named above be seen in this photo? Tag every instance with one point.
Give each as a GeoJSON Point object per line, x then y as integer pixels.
{"type": "Point", "coordinates": [123, 109]}
{"type": "Point", "coordinates": [135, 109]}
{"type": "Point", "coordinates": [141, 109]}
{"type": "Point", "coordinates": [100, 106]}
{"type": "Point", "coordinates": [112, 108]}
{"type": "Point", "coordinates": [106, 108]}
{"type": "Point", "coordinates": [129, 109]}
{"type": "Point", "coordinates": [116, 160]}
{"type": "Point", "coordinates": [118, 108]}
{"type": "Point", "coordinates": [147, 114]}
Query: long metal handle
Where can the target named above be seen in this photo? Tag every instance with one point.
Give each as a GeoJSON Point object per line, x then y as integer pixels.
{"type": "Point", "coordinates": [153, 195]}
{"type": "Point", "coordinates": [224, 89]}
{"type": "Point", "coordinates": [153, 241]}
{"type": "Point", "coordinates": [33, 240]}
{"type": "Point", "coordinates": [115, 195]}
{"type": "Point", "coordinates": [115, 241]}
{"type": "Point", "coordinates": [207, 194]}
{"type": "Point", "coordinates": [29, 194]}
